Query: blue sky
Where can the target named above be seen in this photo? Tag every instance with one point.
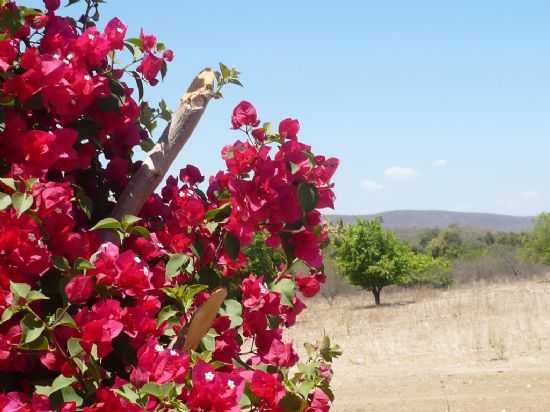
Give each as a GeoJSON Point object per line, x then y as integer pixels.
{"type": "Point", "coordinates": [429, 105]}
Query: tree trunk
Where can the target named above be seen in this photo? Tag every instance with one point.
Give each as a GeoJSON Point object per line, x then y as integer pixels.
{"type": "Point", "coordinates": [376, 293]}
{"type": "Point", "coordinates": [161, 157]}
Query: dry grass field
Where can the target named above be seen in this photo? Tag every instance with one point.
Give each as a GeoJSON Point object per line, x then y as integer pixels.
{"type": "Point", "coordinates": [477, 349]}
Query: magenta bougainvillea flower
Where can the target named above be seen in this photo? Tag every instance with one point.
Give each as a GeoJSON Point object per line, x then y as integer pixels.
{"type": "Point", "coordinates": [90, 322]}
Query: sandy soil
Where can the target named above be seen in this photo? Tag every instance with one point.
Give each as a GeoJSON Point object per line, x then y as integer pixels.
{"type": "Point", "coordinates": [480, 349]}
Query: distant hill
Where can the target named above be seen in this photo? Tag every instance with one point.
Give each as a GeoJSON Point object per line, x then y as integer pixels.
{"type": "Point", "coordinates": [424, 219]}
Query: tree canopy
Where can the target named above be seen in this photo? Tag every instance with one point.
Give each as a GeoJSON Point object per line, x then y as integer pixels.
{"type": "Point", "coordinates": [537, 243]}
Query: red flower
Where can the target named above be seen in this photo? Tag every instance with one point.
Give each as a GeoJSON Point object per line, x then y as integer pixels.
{"type": "Point", "coordinates": [191, 175]}
{"type": "Point", "coordinates": [80, 289]}
{"type": "Point", "coordinates": [52, 5]}
{"type": "Point", "coordinates": [149, 41]}
{"type": "Point", "coordinates": [168, 55]}
{"type": "Point", "coordinates": [244, 115]}
{"type": "Point", "coordinates": [308, 285]}
{"type": "Point", "coordinates": [117, 171]}
{"type": "Point", "coordinates": [150, 67]}
{"type": "Point", "coordinates": [8, 53]}
{"type": "Point", "coordinates": [267, 387]}
{"type": "Point", "coordinates": [306, 247]}
{"type": "Point", "coordinates": [289, 128]}
{"type": "Point", "coordinates": [320, 402]}
{"type": "Point", "coordinates": [160, 365]}
{"type": "Point", "coordinates": [116, 32]}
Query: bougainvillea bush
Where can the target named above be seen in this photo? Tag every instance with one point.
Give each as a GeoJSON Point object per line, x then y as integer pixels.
{"type": "Point", "coordinates": [94, 310]}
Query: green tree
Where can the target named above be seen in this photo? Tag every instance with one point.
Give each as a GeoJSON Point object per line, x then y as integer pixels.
{"type": "Point", "coordinates": [429, 271]}
{"type": "Point", "coordinates": [371, 257]}
{"type": "Point", "coordinates": [448, 243]}
{"type": "Point", "coordinates": [262, 259]}
{"type": "Point", "coordinates": [536, 247]}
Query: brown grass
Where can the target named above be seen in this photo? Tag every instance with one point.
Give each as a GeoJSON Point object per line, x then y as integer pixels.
{"type": "Point", "coordinates": [482, 348]}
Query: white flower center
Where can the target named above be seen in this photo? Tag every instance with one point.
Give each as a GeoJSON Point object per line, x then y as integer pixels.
{"type": "Point", "coordinates": [209, 376]}
{"type": "Point", "coordinates": [173, 353]}
{"type": "Point", "coordinates": [118, 29]}
{"type": "Point", "coordinates": [159, 348]}
{"type": "Point", "coordinates": [31, 237]}
{"type": "Point", "coordinates": [87, 77]}
{"type": "Point", "coordinates": [137, 260]}
{"type": "Point", "coordinates": [230, 384]}
{"type": "Point", "coordinates": [91, 36]}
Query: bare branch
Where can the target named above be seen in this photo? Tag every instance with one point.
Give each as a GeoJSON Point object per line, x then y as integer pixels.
{"type": "Point", "coordinates": [175, 136]}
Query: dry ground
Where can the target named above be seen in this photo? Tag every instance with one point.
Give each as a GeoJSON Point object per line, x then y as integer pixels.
{"type": "Point", "coordinates": [477, 349]}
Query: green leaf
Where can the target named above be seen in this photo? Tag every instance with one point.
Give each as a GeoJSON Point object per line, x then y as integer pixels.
{"type": "Point", "coordinates": [58, 384]}
{"type": "Point", "coordinates": [136, 42]}
{"type": "Point", "coordinates": [147, 145]}
{"type": "Point", "coordinates": [308, 196]}
{"type": "Point", "coordinates": [29, 183]}
{"type": "Point", "coordinates": [233, 309]}
{"type": "Point", "coordinates": [32, 328]}
{"type": "Point", "coordinates": [40, 344]}
{"type": "Point", "coordinates": [163, 69]}
{"type": "Point", "coordinates": [81, 265]}
{"type": "Point", "coordinates": [176, 261]}
{"type": "Point", "coordinates": [107, 223]}
{"type": "Point", "coordinates": [9, 182]}
{"type": "Point", "coordinates": [61, 263]}
{"type": "Point", "coordinates": [108, 104]}
{"type": "Point", "coordinates": [235, 81]}
{"type": "Point", "coordinates": [219, 214]}
{"type": "Point", "coordinates": [5, 201]}
{"type": "Point", "coordinates": [21, 202]}
{"type": "Point", "coordinates": [35, 295]}
{"type": "Point", "coordinates": [226, 73]}
{"type": "Point", "coordinates": [157, 390]}
{"type": "Point", "coordinates": [129, 220]}
{"type": "Point", "coordinates": [184, 294]}
{"type": "Point", "coordinates": [287, 289]}
{"type": "Point", "coordinates": [84, 201]}
{"type": "Point", "coordinates": [292, 403]}
{"type": "Point", "coordinates": [305, 388]}
{"type": "Point", "coordinates": [8, 313]}
{"type": "Point", "coordinates": [140, 231]}
{"type": "Point", "coordinates": [70, 395]}
{"type": "Point", "coordinates": [74, 347]}
{"type": "Point", "coordinates": [209, 340]}
{"type": "Point", "coordinates": [128, 392]}
{"type": "Point", "coordinates": [232, 245]}
{"type": "Point", "coordinates": [20, 290]}
{"type": "Point", "coordinates": [165, 114]}
{"type": "Point", "coordinates": [139, 84]}
{"type": "Point", "coordinates": [165, 314]}
{"type": "Point", "coordinates": [62, 318]}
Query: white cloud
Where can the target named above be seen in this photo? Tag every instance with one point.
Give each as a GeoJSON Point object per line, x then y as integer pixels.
{"type": "Point", "coordinates": [400, 172]}
{"type": "Point", "coordinates": [371, 185]}
{"type": "Point", "coordinates": [440, 163]}
{"type": "Point", "coordinates": [529, 195]}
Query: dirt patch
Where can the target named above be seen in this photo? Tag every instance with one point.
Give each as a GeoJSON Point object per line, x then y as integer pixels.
{"type": "Point", "coordinates": [479, 349]}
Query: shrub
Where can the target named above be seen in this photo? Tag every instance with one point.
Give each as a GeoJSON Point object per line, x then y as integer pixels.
{"type": "Point", "coordinates": [152, 311]}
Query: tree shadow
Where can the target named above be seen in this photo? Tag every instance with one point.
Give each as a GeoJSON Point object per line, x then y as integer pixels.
{"type": "Point", "coordinates": [384, 305]}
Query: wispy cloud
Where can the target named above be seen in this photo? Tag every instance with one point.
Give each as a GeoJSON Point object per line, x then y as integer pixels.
{"type": "Point", "coordinates": [440, 163]}
{"type": "Point", "coordinates": [398, 172]}
{"type": "Point", "coordinates": [371, 185]}
{"type": "Point", "coordinates": [529, 195]}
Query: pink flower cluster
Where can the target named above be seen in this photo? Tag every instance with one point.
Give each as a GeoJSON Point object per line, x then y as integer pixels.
{"type": "Point", "coordinates": [90, 325]}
